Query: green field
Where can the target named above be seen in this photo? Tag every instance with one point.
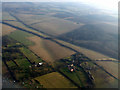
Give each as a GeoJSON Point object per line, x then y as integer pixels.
{"type": "Point", "coordinates": [21, 37]}
{"type": "Point", "coordinates": [54, 80]}
{"type": "Point", "coordinates": [77, 76]}
{"type": "Point", "coordinates": [10, 63]}
{"type": "Point", "coordinates": [23, 63]}
{"type": "Point", "coordinates": [31, 56]}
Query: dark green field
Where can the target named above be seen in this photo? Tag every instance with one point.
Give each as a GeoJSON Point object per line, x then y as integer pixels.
{"type": "Point", "coordinates": [21, 37]}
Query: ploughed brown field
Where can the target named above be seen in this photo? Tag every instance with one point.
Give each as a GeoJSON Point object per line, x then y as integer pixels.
{"type": "Point", "coordinates": [48, 50]}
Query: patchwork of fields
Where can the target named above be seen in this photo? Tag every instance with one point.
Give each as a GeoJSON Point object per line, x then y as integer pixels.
{"type": "Point", "coordinates": [22, 64]}
{"type": "Point", "coordinates": [33, 56]}
{"type": "Point", "coordinates": [50, 49]}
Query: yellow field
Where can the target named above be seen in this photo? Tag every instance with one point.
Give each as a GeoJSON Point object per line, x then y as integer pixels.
{"type": "Point", "coordinates": [54, 80]}
{"type": "Point", "coordinates": [7, 29]}
{"type": "Point", "coordinates": [48, 50]}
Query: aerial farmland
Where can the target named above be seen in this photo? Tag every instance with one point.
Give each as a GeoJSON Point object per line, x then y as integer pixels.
{"type": "Point", "coordinates": [58, 45]}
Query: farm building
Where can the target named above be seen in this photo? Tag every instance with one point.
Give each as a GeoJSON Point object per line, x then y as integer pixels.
{"type": "Point", "coordinates": [71, 67]}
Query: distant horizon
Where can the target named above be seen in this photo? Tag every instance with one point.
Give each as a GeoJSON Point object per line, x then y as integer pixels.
{"type": "Point", "coordinates": [101, 4]}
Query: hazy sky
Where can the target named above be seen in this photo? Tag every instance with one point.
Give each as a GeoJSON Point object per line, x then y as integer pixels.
{"type": "Point", "coordinates": [103, 4]}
